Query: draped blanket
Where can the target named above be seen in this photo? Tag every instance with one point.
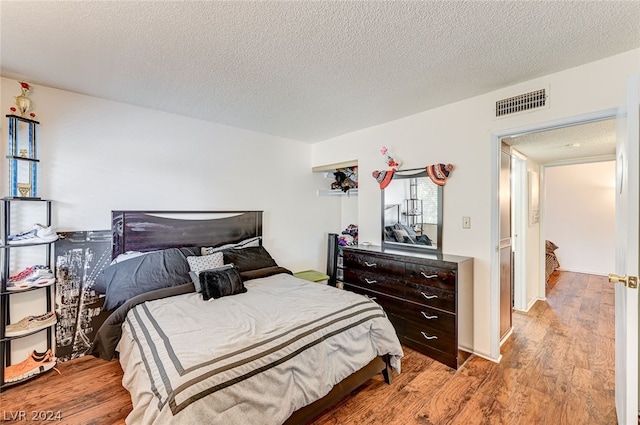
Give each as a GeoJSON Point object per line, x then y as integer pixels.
{"type": "Point", "coordinates": [251, 358]}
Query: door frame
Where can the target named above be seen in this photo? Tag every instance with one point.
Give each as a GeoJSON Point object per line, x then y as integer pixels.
{"type": "Point", "coordinates": [519, 220]}
{"type": "Point", "coordinates": [496, 138]}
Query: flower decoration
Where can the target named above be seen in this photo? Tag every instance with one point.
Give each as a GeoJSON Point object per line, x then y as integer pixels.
{"type": "Point", "coordinates": [25, 87]}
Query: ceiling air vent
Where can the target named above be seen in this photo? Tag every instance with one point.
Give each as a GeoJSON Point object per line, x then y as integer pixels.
{"type": "Point", "coordinates": [522, 102]}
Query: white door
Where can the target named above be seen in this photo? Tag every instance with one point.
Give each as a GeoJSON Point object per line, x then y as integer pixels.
{"type": "Point", "coordinates": [627, 252]}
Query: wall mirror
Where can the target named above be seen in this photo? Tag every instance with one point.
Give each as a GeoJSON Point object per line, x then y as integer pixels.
{"type": "Point", "coordinates": [412, 213]}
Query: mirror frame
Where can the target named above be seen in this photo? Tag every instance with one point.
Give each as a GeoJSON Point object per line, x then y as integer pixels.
{"type": "Point", "coordinates": [425, 249]}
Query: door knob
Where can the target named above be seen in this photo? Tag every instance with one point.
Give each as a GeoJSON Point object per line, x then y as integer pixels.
{"type": "Point", "coordinates": [630, 281]}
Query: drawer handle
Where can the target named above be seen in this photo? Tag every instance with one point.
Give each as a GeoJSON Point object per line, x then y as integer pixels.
{"type": "Point", "coordinates": [428, 276]}
{"type": "Point", "coordinates": [370, 264]}
{"type": "Point", "coordinates": [426, 316]}
{"type": "Point", "coordinates": [370, 282]}
{"type": "Point", "coordinates": [429, 297]}
{"type": "Point", "coordinates": [428, 336]}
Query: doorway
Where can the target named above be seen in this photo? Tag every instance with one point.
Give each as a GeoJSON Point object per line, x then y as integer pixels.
{"type": "Point", "coordinates": [529, 284]}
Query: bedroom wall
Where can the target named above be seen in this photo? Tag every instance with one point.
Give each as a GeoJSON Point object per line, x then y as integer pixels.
{"type": "Point", "coordinates": [98, 155]}
{"type": "Point", "coordinates": [461, 134]}
{"type": "Point", "coordinates": [579, 214]}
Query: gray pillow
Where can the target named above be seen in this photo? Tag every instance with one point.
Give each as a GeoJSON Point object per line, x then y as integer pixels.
{"type": "Point", "coordinates": [155, 270]}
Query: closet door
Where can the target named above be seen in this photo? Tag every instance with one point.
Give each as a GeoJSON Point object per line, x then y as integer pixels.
{"type": "Point", "coordinates": [506, 259]}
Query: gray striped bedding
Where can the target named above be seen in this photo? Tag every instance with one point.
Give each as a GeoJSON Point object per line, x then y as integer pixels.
{"type": "Point", "coordinates": [251, 358]}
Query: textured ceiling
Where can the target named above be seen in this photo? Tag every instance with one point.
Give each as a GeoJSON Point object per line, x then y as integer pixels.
{"type": "Point", "coordinates": [593, 140]}
{"type": "Point", "coordinates": [305, 70]}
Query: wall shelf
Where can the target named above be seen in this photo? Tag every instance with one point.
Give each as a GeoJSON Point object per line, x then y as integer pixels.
{"type": "Point", "coordinates": [336, 192]}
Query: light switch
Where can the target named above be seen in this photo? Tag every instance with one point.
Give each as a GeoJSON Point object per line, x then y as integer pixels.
{"type": "Point", "coordinates": [466, 222]}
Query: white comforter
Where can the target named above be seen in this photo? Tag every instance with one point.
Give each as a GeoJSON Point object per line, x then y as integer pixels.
{"type": "Point", "coordinates": [251, 358]}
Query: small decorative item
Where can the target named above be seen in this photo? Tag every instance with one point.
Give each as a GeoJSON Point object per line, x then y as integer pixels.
{"type": "Point", "coordinates": [24, 189]}
{"type": "Point", "coordinates": [392, 163]}
{"type": "Point", "coordinates": [23, 153]}
{"type": "Point", "coordinates": [383, 177]}
{"type": "Point", "coordinates": [23, 103]}
{"type": "Point", "coordinates": [439, 173]}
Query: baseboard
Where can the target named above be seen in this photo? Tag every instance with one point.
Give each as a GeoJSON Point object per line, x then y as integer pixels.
{"type": "Point", "coordinates": [563, 269]}
{"type": "Point", "coordinates": [487, 357]}
{"type": "Point", "coordinates": [529, 305]}
{"type": "Point", "coordinates": [506, 336]}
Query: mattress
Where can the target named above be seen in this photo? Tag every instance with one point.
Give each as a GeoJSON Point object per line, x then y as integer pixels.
{"type": "Point", "coordinates": [250, 358]}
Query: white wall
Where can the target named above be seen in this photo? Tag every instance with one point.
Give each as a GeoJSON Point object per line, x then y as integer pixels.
{"type": "Point", "coordinates": [97, 156]}
{"type": "Point", "coordinates": [461, 133]}
{"type": "Point", "coordinates": [532, 247]}
{"type": "Point", "coordinates": [579, 214]}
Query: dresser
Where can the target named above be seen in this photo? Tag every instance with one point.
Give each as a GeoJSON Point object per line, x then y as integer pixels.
{"type": "Point", "coordinates": [427, 297]}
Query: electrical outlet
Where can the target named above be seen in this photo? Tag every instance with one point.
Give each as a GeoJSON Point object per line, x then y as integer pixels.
{"type": "Point", "coordinates": [466, 222]}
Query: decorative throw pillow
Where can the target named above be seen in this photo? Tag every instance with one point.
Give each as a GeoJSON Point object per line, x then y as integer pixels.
{"type": "Point", "coordinates": [205, 262]}
{"type": "Point", "coordinates": [195, 277]}
{"type": "Point", "coordinates": [252, 258]}
{"type": "Point", "coordinates": [400, 235]}
{"type": "Point", "coordinates": [406, 228]}
{"type": "Point", "coordinates": [221, 283]}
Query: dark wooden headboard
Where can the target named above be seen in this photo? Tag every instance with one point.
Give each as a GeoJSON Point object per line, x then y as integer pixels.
{"type": "Point", "coordinates": [154, 230]}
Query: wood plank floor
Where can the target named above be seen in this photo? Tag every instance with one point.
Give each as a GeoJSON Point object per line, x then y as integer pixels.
{"type": "Point", "coordinates": [557, 368]}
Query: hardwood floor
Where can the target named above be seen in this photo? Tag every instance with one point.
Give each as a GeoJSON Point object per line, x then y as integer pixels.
{"type": "Point", "coordinates": [557, 368]}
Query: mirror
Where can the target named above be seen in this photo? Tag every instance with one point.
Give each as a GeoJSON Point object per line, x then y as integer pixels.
{"type": "Point", "coordinates": [412, 213]}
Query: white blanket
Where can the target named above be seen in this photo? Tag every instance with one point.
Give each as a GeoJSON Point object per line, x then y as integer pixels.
{"type": "Point", "coordinates": [251, 358]}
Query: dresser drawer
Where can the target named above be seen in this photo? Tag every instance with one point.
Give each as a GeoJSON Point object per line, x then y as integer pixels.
{"type": "Point", "coordinates": [374, 282]}
{"type": "Point", "coordinates": [392, 306]}
{"type": "Point", "coordinates": [448, 358]}
{"type": "Point", "coordinates": [431, 321]}
{"type": "Point", "coordinates": [373, 264]}
{"type": "Point", "coordinates": [438, 277]}
{"type": "Point", "coordinates": [440, 339]}
{"type": "Point", "coordinates": [431, 296]}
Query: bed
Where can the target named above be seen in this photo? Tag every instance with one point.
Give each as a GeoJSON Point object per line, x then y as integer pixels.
{"type": "Point", "coordinates": [275, 349]}
{"type": "Point", "coordinates": [395, 231]}
{"type": "Point", "coordinates": [551, 260]}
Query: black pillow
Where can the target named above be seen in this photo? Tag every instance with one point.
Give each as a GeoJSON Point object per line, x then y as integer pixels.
{"type": "Point", "coordinates": [251, 258]}
{"type": "Point", "coordinates": [155, 270]}
{"type": "Point", "coordinates": [221, 283]}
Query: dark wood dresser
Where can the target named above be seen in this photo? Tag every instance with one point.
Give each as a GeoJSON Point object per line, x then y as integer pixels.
{"type": "Point", "coordinates": [427, 297]}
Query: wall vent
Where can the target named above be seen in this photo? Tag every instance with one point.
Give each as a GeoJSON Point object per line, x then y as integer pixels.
{"type": "Point", "coordinates": [522, 102]}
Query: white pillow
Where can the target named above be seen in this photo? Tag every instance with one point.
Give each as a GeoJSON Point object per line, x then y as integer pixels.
{"type": "Point", "coordinates": [251, 242]}
{"type": "Point", "coordinates": [205, 262]}
{"type": "Point", "coordinates": [127, 256]}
